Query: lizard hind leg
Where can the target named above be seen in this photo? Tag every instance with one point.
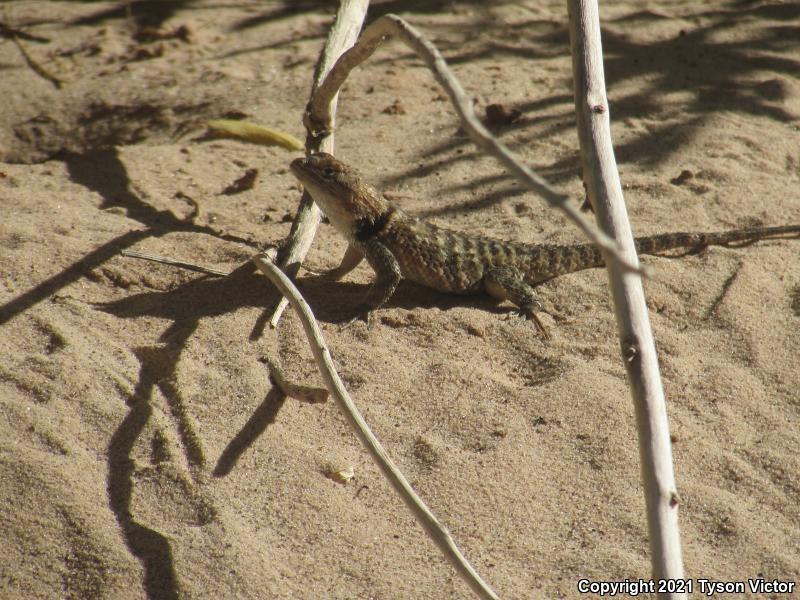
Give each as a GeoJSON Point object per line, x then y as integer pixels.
{"type": "Point", "coordinates": [506, 283]}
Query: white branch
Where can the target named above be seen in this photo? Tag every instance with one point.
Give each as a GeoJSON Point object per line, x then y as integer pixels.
{"type": "Point", "coordinates": [343, 34]}
{"type": "Point", "coordinates": [319, 119]}
{"type": "Point", "coordinates": [633, 323]}
{"type": "Point", "coordinates": [435, 530]}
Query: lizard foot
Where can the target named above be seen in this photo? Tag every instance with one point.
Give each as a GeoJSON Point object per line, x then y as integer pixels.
{"type": "Point", "coordinates": [362, 314]}
{"type": "Point", "coordinates": [528, 312]}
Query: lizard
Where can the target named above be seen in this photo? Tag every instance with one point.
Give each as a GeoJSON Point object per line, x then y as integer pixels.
{"type": "Point", "coordinates": [397, 244]}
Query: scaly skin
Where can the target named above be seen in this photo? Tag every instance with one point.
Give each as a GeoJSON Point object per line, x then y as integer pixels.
{"type": "Point", "coordinates": [398, 245]}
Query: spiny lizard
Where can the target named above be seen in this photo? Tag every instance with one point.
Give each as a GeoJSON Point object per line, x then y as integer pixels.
{"type": "Point", "coordinates": [397, 245]}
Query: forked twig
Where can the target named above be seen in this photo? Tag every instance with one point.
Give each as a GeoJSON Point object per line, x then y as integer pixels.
{"type": "Point", "coordinates": [435, 530]}
{"type": "Point", "coordinates": [319, 120]}
{"type": "Point", "coordinates": [343, 34]}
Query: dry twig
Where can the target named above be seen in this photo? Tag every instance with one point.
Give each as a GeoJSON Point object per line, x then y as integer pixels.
{"type": "Point", "coordinates": [633, 324]}
{"type": "Point", "coordinates": [35, 66]}
{"type": "Point", "coordinates": [435, 530]}
{"type": "Point", "coordinates": [343, 35]}
{"type": "Point", "coordinates": [175, 263]}
{"type": "Point", "coordinates": [304, 393]}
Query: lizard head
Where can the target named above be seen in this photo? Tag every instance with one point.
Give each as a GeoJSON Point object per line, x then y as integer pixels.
{"type": "Point", "coordinates": [339, 191]}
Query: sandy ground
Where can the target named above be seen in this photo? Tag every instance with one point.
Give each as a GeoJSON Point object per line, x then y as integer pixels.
{"type": "Point", "coordinates": [142, 451]}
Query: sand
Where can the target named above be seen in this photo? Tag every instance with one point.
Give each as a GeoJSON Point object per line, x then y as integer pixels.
{"type": "Point", "coordinates": [143, 452]}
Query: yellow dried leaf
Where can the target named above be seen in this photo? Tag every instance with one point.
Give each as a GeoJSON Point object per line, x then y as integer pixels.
{"type": "Point", "coordinates": [255, 134]}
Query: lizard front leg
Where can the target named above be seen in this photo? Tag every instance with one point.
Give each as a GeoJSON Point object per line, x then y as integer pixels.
{"type": "Point", "coordinates": [506, 283]}
{"type": "Point", "coordinates": [387, 276]}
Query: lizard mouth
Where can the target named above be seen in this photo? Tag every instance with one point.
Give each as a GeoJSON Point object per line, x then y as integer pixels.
{"type": "Point", "coordinates": [298, 167]}
{"type": "Point", "coordinates": [320, 188]}
{"type": "Point", "coordinates": [306, 172]}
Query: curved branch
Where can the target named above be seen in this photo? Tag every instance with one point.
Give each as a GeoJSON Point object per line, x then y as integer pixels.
{"type": "Point", "coordinates": [343, 35]}
{"type": "Point", "coordinates": [435, 530]}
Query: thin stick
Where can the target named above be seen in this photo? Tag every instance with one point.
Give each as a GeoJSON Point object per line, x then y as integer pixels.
{"type": "Point", "coordinates": [319, 120]}
{"type": "Point", "coordinates": [35, 66]}
{"type": "Point", "coordinates": [342, 36]}
{"type": "Point", "coordinates": [175, 263]}
{"type": "Point", "coordinates": [435, 530]}
{"type": "Point", "coordinates": [304, 393]}
{"type": "Point", "coordinates": [633, 324]}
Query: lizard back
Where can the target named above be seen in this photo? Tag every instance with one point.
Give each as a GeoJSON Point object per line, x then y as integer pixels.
{"type": "Point", "coordinates": [455, 262]}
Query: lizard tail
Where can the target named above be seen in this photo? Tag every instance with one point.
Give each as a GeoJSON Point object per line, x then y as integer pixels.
{"type": "Point", "coordinates": [547, 262]}
{"type": "Point", "coordinates": [670, 241]}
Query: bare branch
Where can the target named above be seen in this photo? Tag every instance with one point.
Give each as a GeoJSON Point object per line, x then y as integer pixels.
{"type": "Point", "coordinates": [633, 324]}
{"type": "Point", "coordinates": [35, 66]}
{"type": "Point", "coordinates": [435, 530]}
{"type": "Point", "coordinates": [304, 393]}
{"type": "Point", "coordinates": [174, 263]}
{"type": "Point", "coordinates": [319, 119]}
{"type": "Point", "coordinates": [343, 35]}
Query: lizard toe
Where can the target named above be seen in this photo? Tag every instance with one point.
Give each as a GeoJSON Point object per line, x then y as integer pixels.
{"type": "Point", "coordinates": [361, 314]}
{"type": "Point", "coordinates": [529, 312]}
